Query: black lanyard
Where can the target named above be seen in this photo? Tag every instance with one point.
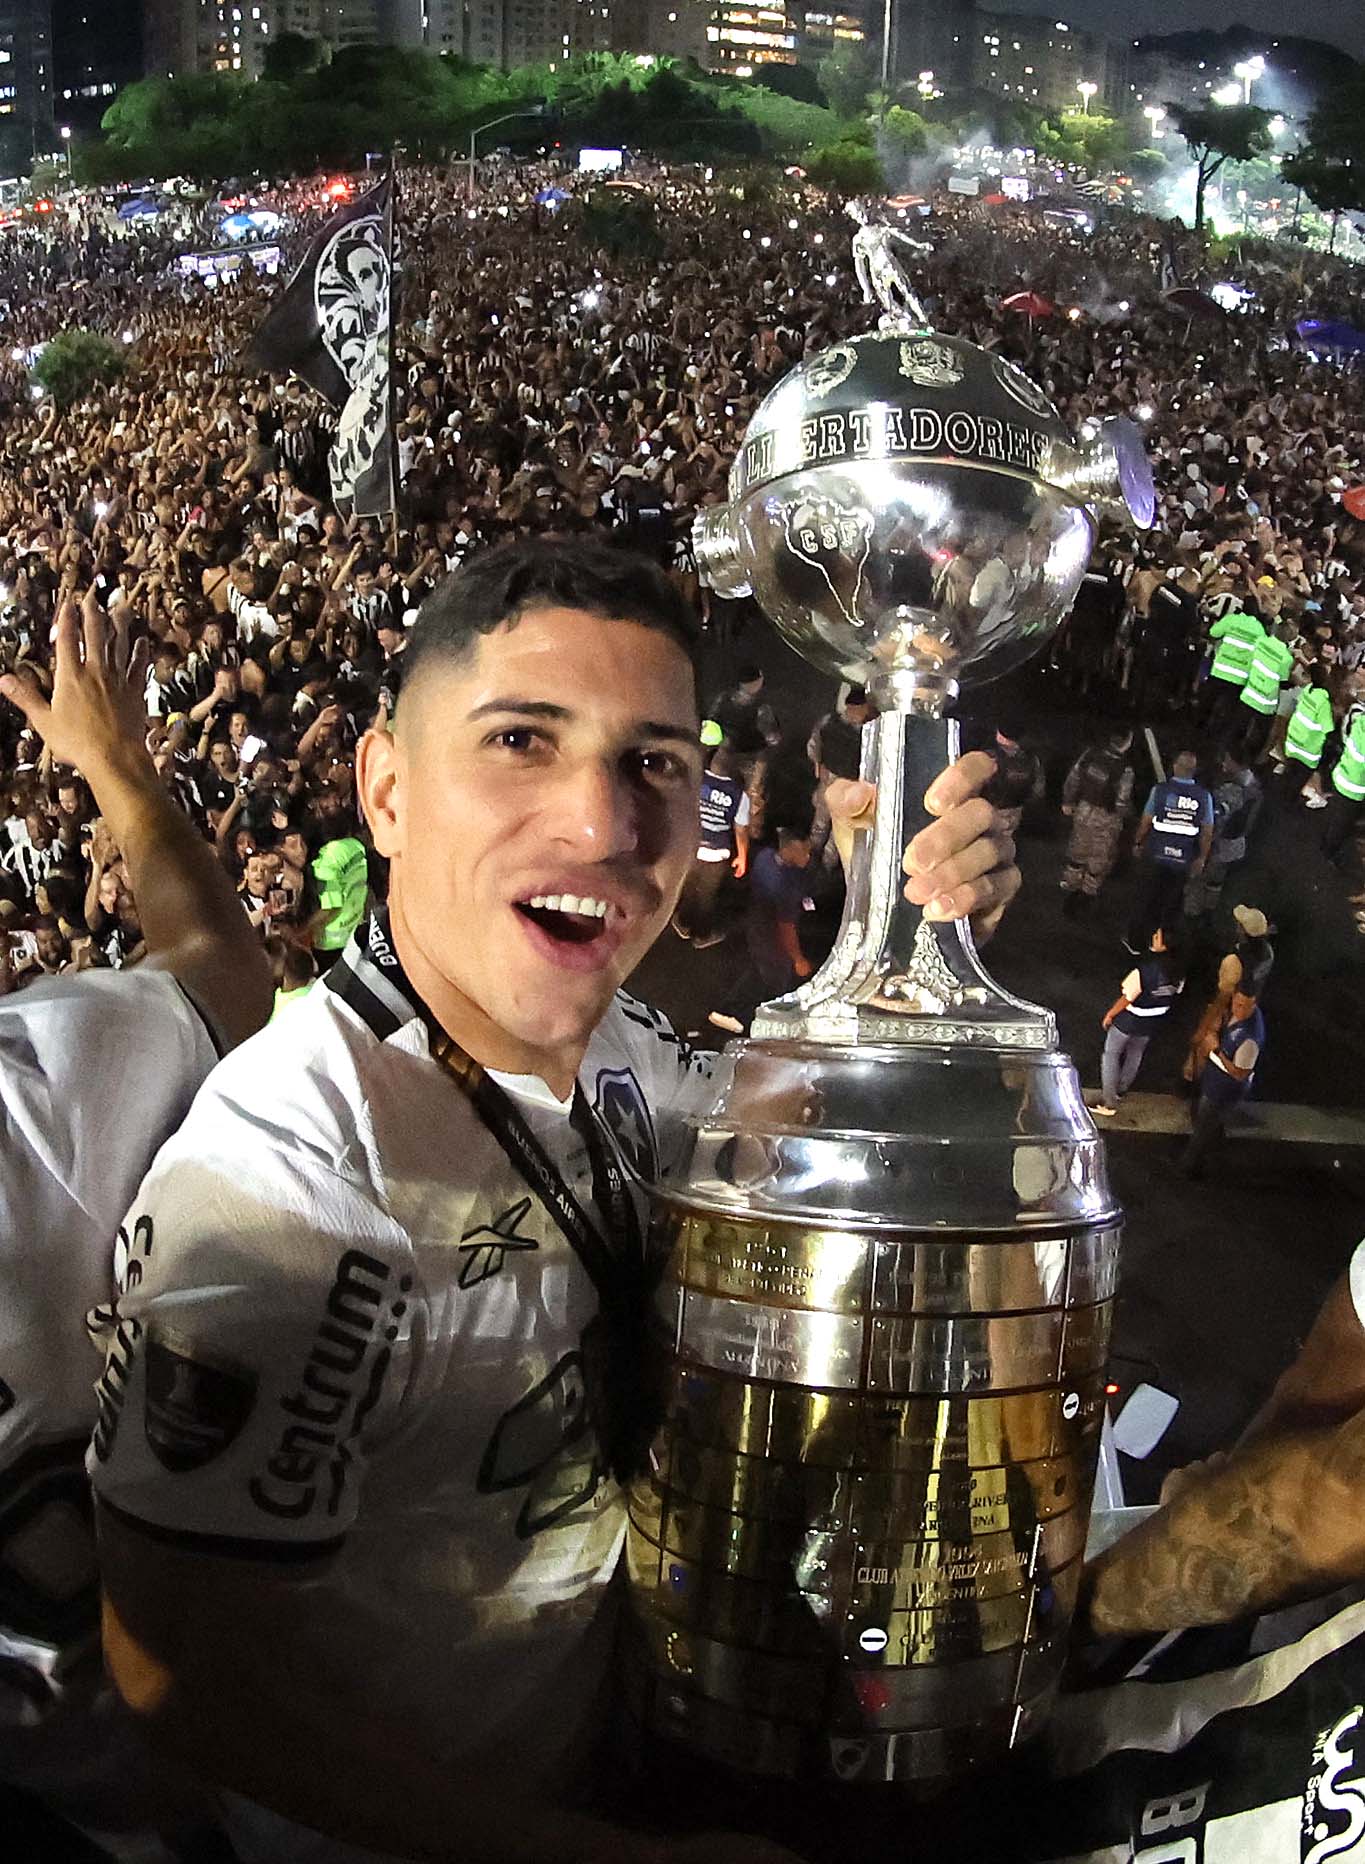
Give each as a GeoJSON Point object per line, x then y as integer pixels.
{"type": "Point", "coordinates": [613, 1258]}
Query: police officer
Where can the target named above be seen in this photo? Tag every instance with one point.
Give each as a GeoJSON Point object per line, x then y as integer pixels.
{"type": "Point", "coordinates": [1227, 1077]}
{"type": "Point", "coordinates": [1172, 843]}
{"type": "Point", "coordinates": [1096, 796]}
{"type": "Point", "coordinates": [1236, 807]}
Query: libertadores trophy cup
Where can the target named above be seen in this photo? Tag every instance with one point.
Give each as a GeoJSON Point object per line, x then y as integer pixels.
{"type": "Point", "coordinates": [894, 1258]}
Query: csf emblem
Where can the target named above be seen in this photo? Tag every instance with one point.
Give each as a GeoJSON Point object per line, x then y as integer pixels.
{"type": "Point", "coordinates": [834, 543]}
{"type": "Point", "coordinates": [622, 1108]}
{"type": "Point", "coordinates": [847, 1759]}
{"type": "Point", "coordinates": [196, 1404]}
{"type": "Point", "coordinates": [1334, 1798]}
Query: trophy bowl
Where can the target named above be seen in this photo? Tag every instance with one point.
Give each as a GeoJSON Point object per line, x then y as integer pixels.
{"type": "Point", "coordinates": [907, 509]}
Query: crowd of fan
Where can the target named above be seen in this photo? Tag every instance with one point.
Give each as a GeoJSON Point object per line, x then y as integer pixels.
{"type": "Point", "coordinates": [546, 384]}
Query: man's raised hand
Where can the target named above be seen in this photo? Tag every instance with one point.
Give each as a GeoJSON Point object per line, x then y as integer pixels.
{"type": "Point", "coordinates": [96, 715]}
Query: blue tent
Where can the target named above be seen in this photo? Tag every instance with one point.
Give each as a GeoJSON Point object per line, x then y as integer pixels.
{"type": "Point", "coordinates": [1321, 333]}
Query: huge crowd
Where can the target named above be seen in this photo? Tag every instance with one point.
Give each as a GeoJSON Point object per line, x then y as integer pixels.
{"type": "Point", "coordinates": [554, 377]}
{"type": "Point", "coordinates": [550, 385]}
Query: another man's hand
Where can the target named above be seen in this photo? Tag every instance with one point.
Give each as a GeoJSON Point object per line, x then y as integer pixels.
{"type": "Point", "coordinates": [96, 717]}
{"type": "Point", "coordinates": [962, 865]}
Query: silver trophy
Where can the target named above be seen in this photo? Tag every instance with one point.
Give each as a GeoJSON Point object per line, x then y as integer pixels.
{"type": "Point", "coordinates": [894, 1258]}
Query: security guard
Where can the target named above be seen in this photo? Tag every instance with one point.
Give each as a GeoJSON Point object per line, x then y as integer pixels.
{"type": "Point", "coordinates": [1272, 662]}
{"type": "Point", "coordinates": [1172, 842]}
{"type": "Point", "coordinates": [1348, 782]}
{"type": "Point", "coordinates": [1236, 637]}
{"type": "Point", "coordinates": [1310, 725]}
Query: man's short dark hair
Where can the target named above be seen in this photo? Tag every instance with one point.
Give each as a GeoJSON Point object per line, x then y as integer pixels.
{"type": "Point", "coordinates": [494, 588]}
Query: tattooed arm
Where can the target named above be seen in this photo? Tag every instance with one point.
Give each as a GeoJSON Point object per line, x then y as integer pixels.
{"type": "Point", "coordinates": [1282, 1517]}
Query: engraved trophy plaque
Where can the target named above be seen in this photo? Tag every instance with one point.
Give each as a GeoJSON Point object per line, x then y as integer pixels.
{"type": "Point", "coordinates": [894, 1257]}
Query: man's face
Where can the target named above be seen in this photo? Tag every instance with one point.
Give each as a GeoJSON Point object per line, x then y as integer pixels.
{"type": "Point", "coordinates": [51, 947]}
{"type": "Point", "coordinates": [261, 871]}
{"type": "Point", "coordinates": [39, 829]}
{"type": "Point", "coordinates": [559, 761]}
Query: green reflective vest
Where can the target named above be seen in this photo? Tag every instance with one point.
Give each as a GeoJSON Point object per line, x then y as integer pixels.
{"type": "Point", "coordinates": [342, 876]}
{"type": "Point", "coordinates": [1238, 636]}
{"type": "Point", "coordinates": [1272, 662]}
{"type": "Point", "coordinates": [1348, 777]}
{"type": "Point", "coordinates": [286, 999]}
{"type": "Point", "coordinates": [1309, 724]}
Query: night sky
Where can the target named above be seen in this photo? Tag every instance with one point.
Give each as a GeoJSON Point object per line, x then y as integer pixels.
{"type": "Point", "coordinates": [1342, 22]}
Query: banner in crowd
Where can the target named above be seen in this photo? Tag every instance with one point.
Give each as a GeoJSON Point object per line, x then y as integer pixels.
{"type": "Point", "coordinates": [1260, 1763]}
{"type": "Point", "coordinates": [333, 327]}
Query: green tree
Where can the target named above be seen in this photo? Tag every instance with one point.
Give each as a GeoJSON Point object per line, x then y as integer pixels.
{"type": "Point", "coordinates": [1330, 167]}
{"type": "Point", "coordinates": [846, 77]}
{"type": "Point", "coordinates": [907, 132]}
{"type": "Point", "coordinates": [624, 224]}
{"type": "Point", "coordinates": [798, 82]}
{"type": "Point", "coordinates": [788, 128]}
{"type": "Point", "coordinates": [847, 167]}
{"type": "Point", "coordinates": [75, 362]}
{"type": "Point", "coordinates": [1335, 188]}
{"type": "Point", "coordinates": [1147, 164]}
{"type": "Point", "coordinates": [1215, 134]}
{"type": "Point", "coordinates": [290, 56]}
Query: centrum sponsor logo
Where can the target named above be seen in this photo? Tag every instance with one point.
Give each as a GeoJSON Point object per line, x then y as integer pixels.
{"type": "Point", "coordinates": [325, 1411]}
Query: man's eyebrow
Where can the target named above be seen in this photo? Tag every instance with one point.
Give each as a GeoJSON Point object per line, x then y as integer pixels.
{"type": "Point", "coordinates": [546, 708]}
{"type": "Point", "coordinates": [527, 708]}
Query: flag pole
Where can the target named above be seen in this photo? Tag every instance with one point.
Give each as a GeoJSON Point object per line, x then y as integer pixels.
{"type": "Point", "coordinates": [395, 305]}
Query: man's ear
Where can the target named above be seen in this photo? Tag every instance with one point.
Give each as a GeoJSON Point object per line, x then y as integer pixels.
{"type": "Point", "coordinates": [379, 788]}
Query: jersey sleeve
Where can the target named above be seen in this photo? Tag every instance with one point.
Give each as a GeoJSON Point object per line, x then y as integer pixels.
{"type": "Point", "coordinates": [257, 1352]}
{"type": "Point", "coordinates": [1205, 810]}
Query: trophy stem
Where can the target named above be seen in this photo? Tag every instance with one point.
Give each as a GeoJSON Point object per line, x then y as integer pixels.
{"type": "Point", "coordinates": [894, 975]}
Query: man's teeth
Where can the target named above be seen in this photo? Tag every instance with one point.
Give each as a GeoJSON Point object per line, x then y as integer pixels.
{"type": "Point", "coordinates": [570, 903]}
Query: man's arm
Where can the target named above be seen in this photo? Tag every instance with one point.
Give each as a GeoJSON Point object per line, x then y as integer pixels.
{"type": "Point", "coordinates": [1280, 1518]}
{"type": "Point", "coordinates": [224, 1664]}
{"type": "Point", "coordinates": [190, 918]}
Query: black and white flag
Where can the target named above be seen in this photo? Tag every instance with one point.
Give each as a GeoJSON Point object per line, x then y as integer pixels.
{"type": "Point", "coordinates": [333, 327]}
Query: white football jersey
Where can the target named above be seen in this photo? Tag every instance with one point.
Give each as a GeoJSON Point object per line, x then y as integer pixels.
{"type": "Point", "coordinates": [96, 1071]}
{"type": "Point", "coordinates": [347, 1328]}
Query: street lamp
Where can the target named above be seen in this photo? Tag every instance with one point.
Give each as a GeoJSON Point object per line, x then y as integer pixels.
{"type": "Point", "coordinates": [66, 145]}
{"type": "Point", "coordinates": [925, 84]}
{"type": "Point", "coordinates": [1228, 94]}
{"type": "Point", "coordinates": [512, 116]}
{"type": "Point", "coordinates": [1249, 70]}
{"type": "Point", "coordinates": [1155, 115]}
{"type": "Point", "coordinates": [1277, 127]}
{"type": "Point", "coordinates": [1087, 91]}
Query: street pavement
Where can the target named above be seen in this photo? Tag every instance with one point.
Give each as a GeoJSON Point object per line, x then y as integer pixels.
{"type": "Point", "coordinates": [1222, 1277]}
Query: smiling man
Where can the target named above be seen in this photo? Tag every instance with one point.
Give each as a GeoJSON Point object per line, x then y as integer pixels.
{"type": "Point", "coordinates": [378, 1360]}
